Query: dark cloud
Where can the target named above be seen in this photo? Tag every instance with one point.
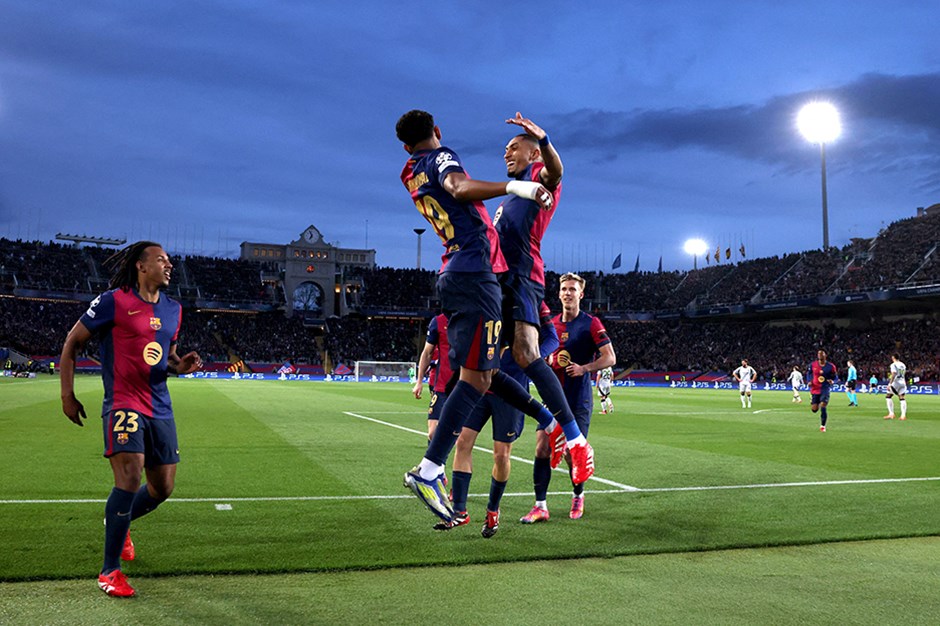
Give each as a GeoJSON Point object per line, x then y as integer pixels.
{"type": "Point", "coordinates": [889, 121]}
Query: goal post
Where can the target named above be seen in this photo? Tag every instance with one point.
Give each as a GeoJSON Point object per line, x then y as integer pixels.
{"type": "Point", "coordinates": [386, 371]}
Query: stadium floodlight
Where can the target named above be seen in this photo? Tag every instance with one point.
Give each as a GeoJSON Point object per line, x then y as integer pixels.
{"type": "Point", "coordinates": [819, 123]}
{"type": "Point", "coordinates": [695, 247]}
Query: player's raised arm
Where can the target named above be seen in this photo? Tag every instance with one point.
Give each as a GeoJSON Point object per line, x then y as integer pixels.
{"type": "Point", "coordinates": [552, 173]}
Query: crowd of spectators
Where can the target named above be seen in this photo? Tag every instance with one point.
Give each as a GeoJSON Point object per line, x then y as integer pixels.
{"type": "Point", "coordinates": [226, 280]}
{"type": "Point", "coordinates": [46, 266]}
{"type": "Point", "coordinates": [773, 349]}
{"type": "Point", "coordinates": [384, 287]}
{"type": "Point", "coordinates": [898, 252]}
{"type": "Point", "coordinates": [36, 327]}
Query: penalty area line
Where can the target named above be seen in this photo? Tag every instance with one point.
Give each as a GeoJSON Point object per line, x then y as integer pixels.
{"type": "Point", "coordinates": [603, 481]}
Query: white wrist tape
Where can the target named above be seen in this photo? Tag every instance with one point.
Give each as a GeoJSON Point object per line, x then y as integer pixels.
{"type": "Point", "coordinates": [522, 188]}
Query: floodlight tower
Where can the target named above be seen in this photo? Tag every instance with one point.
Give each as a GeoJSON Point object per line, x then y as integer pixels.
{"type": "Point", "coordinates": [419, 232]}
{"type": "Point", "coordinates": [819, 123]}
{"type": "Point", "coordinates": [695, 247]}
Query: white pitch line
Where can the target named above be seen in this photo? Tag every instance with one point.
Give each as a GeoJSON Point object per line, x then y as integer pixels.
{"type": "Point", "coordinates": [520, 459]}
{"type": "Point", "coordinates": [815, 483]}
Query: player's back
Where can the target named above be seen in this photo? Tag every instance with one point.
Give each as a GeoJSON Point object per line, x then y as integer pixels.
{"type": "Point", "coordinates": [469, 238]}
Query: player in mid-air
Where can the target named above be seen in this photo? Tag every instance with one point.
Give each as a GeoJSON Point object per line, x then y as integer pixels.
{"type": "Point", "coordinates": [745, 375]}
{"type": "Point", "coordinates": [851, 382]}
{"type": "Point", "coordinates": [521, 223]}
{"type": "Point", "coordinates": [137, 327]}
{"type": "Point", "coordinates": [507, 426]}
{"type": "Point", "coordinates": [471, 296]}
{"type": "Point", "coordinates": [821, 374]}
{"type": "Point", "coordinates": [605, 378]}
{"type": "Point", "coordinates": [796, 380]}
{"type": "Point", "coordinates": [435, 363]}
{"type": "Point", "coordinates": [897, 385]}
{"type": "Point", "coordinates": [581, 337]}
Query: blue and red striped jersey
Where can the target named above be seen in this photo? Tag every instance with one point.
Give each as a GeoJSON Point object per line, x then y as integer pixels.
{"type": "Point", "coordinates": [579, 340]}
{"type": "Point", "coordinates": [521, 224]}
{"type": "Point", "coordinates": [470, 241]}
{"type": "Point", "coordinates": [135, 339]}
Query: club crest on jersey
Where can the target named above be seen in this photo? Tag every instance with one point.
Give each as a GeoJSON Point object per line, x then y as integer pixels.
{"type": "Point", "coordinates": [564, 337]}
{"type": "Point", "coordinates": [122, 438]}
{"type": "Point", "coordinates": [155, 323]}
{"type": "Point", "coordinates": [490, 353]}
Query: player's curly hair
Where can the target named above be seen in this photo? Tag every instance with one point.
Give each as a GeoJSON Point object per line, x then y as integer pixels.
{"type": "Point", "coordinates": [123, 263]}
{"type": "Point", "coordinates": [414, 127]}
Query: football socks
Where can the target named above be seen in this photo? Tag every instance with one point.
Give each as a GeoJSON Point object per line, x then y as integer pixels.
{"type": "Point", "coordinates": [117, 515]}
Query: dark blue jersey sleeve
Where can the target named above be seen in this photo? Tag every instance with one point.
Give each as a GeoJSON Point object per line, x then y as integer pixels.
{"type": "Point", "coordinates": [100, 313]}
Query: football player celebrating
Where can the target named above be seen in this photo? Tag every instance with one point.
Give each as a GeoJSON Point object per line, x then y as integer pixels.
{"type": "Point", "coordinates": [821, 375]}
{"type": "Point", "coordinates": [137, 327]}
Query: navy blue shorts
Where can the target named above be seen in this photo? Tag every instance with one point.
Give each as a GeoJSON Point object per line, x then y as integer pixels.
{"type": "Point", "coordinates": [471, 301]}
{"type": "Point", "coordinates": [130, 431]}
{"type": "Point", "coordinates": [819, 398]}
{"type": "Point", "coordinates": [508, 422]}
{"type": "Point", "coordinates": [582, 418]}
{"type": "Point", "coordinates": [522, 298]}
{"type": "Point", "coordinates": [438, 398]}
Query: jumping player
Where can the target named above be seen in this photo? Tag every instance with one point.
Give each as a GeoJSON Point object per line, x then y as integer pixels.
{"type": "Point", "coordinates": [137, 327]}
{"type": "Point", "coordinates": [821, 375]}
{"type": "Point", "coordinates": [507, 426]}
{"type": "Point", "coordinates": [521, 223]}
{"type": "Point", "coordinates": [897, 384]}
{"type": "Point", "coordinates": [581, 336]}
{"type": "Point", "coordinates": [604, 379]}
{"type": "Point", "coordinates": [435, 363]}
{"type": "Point", "coordinates": [745, 375]}
{"type": "Point", "coordinates": [796, 380]}
{"type": "Point", "coordinates": [470, 296]}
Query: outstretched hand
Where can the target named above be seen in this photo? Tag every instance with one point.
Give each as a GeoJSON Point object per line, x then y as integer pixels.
{"type": "Point", "coordinates": [73, 409]}
{"type": "Point", "coordinates": [528, 125]}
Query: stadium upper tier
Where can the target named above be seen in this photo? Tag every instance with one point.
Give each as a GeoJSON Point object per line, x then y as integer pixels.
{"type": "Point", "coordinates": [905, 253]}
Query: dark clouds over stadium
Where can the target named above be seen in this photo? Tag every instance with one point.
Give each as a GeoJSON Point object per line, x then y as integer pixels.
{"type": "Point", "coordinates": [203, 124]}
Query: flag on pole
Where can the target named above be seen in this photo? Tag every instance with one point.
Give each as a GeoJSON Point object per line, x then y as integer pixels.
{"type": "Point", "coordinates": [741, 250]}
{"type": "Point", "coordinates": [728, 252]}
{"type": "Point", "coordinates": [660, 270]}
{"type": "Point", "coordinates": [636, 266]}
{"type": "Point", "coordinates": [717, 254]}
{"type": "Point", "coordinates": [342, 370]}
{"type": "Point", "coordinates": [616, 262]}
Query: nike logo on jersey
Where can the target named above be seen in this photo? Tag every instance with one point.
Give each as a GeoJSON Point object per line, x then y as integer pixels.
{"type": "Point", "coordinates": [133, 312]}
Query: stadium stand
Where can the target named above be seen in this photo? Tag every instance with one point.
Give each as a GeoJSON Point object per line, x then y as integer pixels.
{"type": "Point", "coordinates": [660, 322]}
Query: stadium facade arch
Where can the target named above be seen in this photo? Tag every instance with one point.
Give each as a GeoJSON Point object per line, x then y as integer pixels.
{"type": "Point", "coordinates": [321, 277]}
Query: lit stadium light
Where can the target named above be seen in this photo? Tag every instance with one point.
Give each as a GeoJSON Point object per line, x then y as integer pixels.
{"type": "Point", "coordinates": [819, 123]}
{"type": "Point", "coordinates": [695, 247]}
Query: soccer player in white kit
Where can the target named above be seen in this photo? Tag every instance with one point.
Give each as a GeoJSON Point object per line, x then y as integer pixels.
{"type": "Point", "coordinates": [796, 379]}
{"type": "Point", "coordinates": [897, 384]}
{"type": "Point", "coordinates": [604, 378]}
{"type": "Point", "coordinates": [745, 375]}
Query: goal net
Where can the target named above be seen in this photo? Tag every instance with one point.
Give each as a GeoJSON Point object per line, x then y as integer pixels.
{"type": "Point", "coordinates": [385, 371]}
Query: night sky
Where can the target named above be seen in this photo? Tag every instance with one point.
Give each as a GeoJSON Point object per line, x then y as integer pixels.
{"type": "Point", "coordinates": [204, 124]}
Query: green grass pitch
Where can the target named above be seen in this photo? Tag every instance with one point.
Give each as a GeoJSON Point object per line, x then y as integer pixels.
{"type": "Point", "coordinates": [702, 512]}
